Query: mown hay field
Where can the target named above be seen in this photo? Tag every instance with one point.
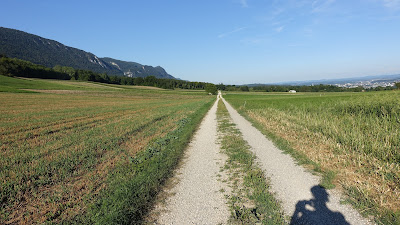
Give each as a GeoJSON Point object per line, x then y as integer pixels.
{"type": "Point", "coordinates": [352, 138]}
{"type": "Point", "coordinates": [65, 146]}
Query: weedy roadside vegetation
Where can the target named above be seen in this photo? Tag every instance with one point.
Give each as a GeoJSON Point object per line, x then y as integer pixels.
{"type": "Point", "coordinates": [81, 152]}
{"type": "Point", "coordinates": [353, 139]}
{"type": "Point", "coordinates": [250, 200]}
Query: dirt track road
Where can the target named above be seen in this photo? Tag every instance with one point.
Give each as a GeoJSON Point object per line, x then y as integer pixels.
{"type": "Point", "coordinates": [198, 200]}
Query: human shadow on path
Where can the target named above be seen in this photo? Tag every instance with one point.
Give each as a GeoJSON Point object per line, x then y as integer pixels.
{"type": "Point", "coordinates": [315, 211]}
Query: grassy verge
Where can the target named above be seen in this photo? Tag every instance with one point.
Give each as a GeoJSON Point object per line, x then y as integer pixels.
{"type": "Point", "coordinates": [352, 139]}
{"type": "Point", "coordinates": [134, 186]}
{"type": "Point", "coordinates": [250, 201]}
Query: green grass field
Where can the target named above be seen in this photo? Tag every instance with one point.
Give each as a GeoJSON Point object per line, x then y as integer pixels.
{"type": "Point", "coordinates": [82, 152]}
{"type": "Point", "coordinates": [352, 138]}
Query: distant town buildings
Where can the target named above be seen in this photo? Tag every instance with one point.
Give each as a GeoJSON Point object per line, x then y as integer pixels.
{"type": "Point", "coordinates": [367, 84]}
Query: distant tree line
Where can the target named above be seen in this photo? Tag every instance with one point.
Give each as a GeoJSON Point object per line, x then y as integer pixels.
{"type": "Point", "coordinates": [223, 87]}
{"type": "Point", "coordinates": [22, 68]}
{"type": "Point", "coordinates": [17, 67]}
{"type": "Point", "coordinates": [311, 88]}
{"type": "Point", "coordinates": [318, 88]}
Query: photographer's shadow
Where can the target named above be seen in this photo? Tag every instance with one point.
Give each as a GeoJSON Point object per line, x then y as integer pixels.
{"type": "Point", "coordinates": [315, 211]}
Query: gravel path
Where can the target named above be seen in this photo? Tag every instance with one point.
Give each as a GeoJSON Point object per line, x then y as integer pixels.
{"type": "Point", "coordinates": [296, 188]}
{"type": "Point", "coordinates": [197, 198]}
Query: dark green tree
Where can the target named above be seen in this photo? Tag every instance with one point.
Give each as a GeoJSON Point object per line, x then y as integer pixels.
{"type": "Point", "coordinates": [115, 80]}
{"type": "Point", "coordinates": [138, 81]}
{"type": "Point", "coordinates": [244, 88]}
{"type": "Point", "coordinates": [105, 77]}
{"type": "Point", "coordinates": [221, 87]}
{"type": "Point", "coordinates": [211, 88]}
{"type": "Point", "coordinates": [150, 80]}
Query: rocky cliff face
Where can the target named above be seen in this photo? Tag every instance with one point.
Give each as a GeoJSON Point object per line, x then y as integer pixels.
{"type": "Point", "coordinates": [132, 69]}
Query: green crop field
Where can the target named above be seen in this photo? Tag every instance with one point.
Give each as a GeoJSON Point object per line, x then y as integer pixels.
{"type": "Point", "coordinates": [353, 139]}
{"type": "Point", "coordinates": [82, 152]}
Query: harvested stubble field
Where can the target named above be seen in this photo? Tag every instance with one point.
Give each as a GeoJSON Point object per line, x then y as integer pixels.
{"type": "Point", "coordinates": [88, 153]}
{"type": "Point", "coordinates": [352, 138]}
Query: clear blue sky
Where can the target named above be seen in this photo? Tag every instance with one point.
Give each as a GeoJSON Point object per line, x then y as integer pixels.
{"type": "Point", "coordinates": [228, 41]}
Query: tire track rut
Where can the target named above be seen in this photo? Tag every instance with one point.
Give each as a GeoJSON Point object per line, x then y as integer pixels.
{"type": "Point", "coordinates": [197, 199]}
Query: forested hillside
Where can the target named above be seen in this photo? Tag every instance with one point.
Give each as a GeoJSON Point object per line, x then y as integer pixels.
{"type": "Point", "coordinates": [21, 68]}
{"type": "Point", "coordinates": [50, 53]}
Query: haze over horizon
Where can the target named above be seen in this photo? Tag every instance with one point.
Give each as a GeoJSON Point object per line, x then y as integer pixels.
{"type": "Point", "coordinates": [226, 41]}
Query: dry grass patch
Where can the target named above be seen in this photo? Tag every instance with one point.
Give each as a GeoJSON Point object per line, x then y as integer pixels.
{"type": "Point", "coordinates": [350, 168]}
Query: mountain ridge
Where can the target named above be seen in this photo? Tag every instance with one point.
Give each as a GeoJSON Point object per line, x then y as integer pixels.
{"type": "Point", "coordinates": [19, 44]}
